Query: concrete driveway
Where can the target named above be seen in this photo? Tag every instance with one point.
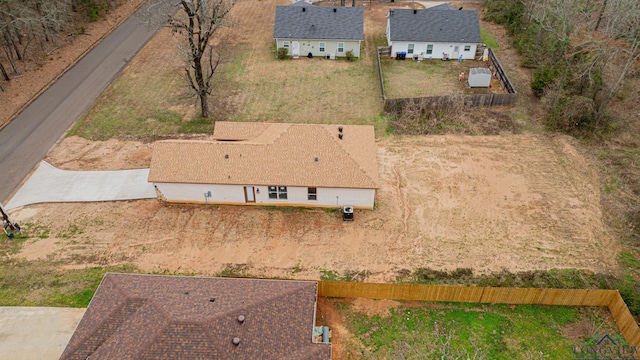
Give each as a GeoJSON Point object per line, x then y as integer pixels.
{"type": "Point", "coordinates": [42, 333]}
{"type": "Point", "coordinates": [50, 184]}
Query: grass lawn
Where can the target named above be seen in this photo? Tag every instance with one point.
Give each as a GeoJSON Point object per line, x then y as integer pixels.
{"type": "Point", "coordinates": [455, 330]}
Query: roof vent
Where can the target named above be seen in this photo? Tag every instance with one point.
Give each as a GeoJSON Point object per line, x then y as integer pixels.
{"type": "Point", "coordinates": [212, 299]}
{"type": "Point", "coordinates": [340, 135]}
{"type": "Point", "coordinates": [415, 11]}
{"type": "Point", "coordinates": [241, 319]}
{"type": "Point", "coordinates": [236, 341]}
{"type": "Point", "coordinates": [304, 9]}
{"type": "Point", "coordinates": [340, 128]}
{"type": "Point", "coordinates": [186, 293]}
{"type": "Point", "coordinates": [316, 159]}
{"type": "Point", "coordinates": [226, 156]}
{"type": "Point", "coordinates": [334, 9]}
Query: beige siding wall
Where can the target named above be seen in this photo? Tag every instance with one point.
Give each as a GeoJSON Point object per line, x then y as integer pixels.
{"type": "Point", "coordinates": [296, 196]}
{"type": "Point", "coordinates": [313, 47]}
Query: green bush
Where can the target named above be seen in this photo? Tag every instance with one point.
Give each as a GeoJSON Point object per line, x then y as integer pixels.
{"type": "Point", "coordinates": [350, 56]}
{"type": "Point", "coordinates": [282, 53]}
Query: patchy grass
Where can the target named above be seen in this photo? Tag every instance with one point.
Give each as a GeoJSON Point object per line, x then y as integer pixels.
{"type": "Point", "coordinates": [42, 283]}
{"type": "Point", "coordinates": [438, 330]}
{"type": "Point", "coordinates": [409, 78]}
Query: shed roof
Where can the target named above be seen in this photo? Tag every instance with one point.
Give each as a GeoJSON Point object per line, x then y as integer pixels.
{"type": "Point", "coordinates": [271, 154]}
{"type": "Point", "coordinates": [319, 22]}
{"type": "Point", "coordinates": [428, 25]}
{"type": "Point", "coordinates": [173, 317]}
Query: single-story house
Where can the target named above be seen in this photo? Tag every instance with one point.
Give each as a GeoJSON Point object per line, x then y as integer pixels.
{"type": "Point", "coordinates": [134, 316]}
{"type": "Point", "coordinates": [325, 31]}
{"type": "Point", "coordinates": [434, 32]}
{"type": "Point", "coordinates": [311, 165]}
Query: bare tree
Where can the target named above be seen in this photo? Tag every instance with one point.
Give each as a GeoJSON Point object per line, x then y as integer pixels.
{"type": "Point", "coordinates": [196, 22]}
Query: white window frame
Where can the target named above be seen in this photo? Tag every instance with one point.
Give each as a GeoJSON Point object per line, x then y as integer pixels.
{"type": "Point", "coordinates": [312, 194]}
{"type": "Point", "coordinates": [340, 47]}
{"type": "Point", "coordinates": [321, 47]}
{"type": "Point", "coordinates": [429, 49]}
{"type": "Point", "coordinates": [285, 44]}
{"type": "Point", "coordinates": [467, 48]}
{"type": "Point", "coordinates": [410, 48]}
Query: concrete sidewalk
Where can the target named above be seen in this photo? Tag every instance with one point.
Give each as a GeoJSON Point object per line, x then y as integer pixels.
{"type": "Point", "coordinates": [36, 332]}
{"type": "Point", "coordinates": [50, 184]}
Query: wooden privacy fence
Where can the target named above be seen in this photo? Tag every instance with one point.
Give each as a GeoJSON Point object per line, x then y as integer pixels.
{"type": "Point", "coordinates": [382, 51]}
{"type": "Point", "coordinates": [395, 105]}
{"type": "Point", "coordinates": [534, 296]}
{"type": "Point", "coordinates": [507, 85]}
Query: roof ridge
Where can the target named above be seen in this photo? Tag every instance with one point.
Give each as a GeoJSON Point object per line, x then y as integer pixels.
{"type": "Point", "coordinates": [349, 154]}
{"type": "Point", "coordinates": [82, 340]}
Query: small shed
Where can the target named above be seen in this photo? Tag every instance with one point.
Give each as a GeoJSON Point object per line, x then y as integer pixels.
{"type": "Point", "coordinates": [479, 77]}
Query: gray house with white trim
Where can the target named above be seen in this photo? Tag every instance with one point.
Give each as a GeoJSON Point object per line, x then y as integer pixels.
{"type": "Point", "coordinates": [434, 32]}
{"type": "Point", "coordinates": [324, 31]}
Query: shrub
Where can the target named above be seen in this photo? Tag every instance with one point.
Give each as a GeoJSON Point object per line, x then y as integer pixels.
{"type": "Point", "coordinates": [282, 53]}
{"type": "Point", "coordinates": [350, 56]}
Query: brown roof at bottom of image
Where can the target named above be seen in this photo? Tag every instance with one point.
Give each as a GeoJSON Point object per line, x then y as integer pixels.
{"type": "Point", "coordinates": [174, 317]}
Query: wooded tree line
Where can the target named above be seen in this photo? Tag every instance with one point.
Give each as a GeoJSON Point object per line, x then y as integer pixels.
{"type": "Point", "coordinates": [581, 52]}
{"type": "Point", "coordinates": [29, 29]}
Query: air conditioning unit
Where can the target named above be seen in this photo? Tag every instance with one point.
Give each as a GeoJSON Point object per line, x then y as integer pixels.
{"type": "Point", "coordinates": [331, 56]}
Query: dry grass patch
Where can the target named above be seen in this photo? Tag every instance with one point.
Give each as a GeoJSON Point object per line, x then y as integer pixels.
{"type": "Point", "coordinates": [409, 78]}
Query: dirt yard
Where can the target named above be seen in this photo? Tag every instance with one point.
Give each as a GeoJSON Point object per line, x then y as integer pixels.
{"type": "Point", "coordinates": [488, 203]}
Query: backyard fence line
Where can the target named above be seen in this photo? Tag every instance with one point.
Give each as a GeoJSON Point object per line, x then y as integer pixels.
{"type": "Point", "coordinates": [477, 100]}
{"type": "Point", "coordinates": [470, 294]}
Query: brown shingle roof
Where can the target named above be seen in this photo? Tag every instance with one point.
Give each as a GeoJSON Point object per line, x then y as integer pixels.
{"type": "Point", "coordinates": [171, 317]}
{"type": "Point", "coordinates": [271, 154]}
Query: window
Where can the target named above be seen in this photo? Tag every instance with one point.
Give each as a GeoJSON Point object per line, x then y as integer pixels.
{"type": "Point", "coordinates": [467, 48]}
{"type": "Point", "coordinates": [278, 192]}
{"type": "Point", "coordinates": [321, 47]}
{"type": "Point", "coordinates": [285, 44]}
{"type": "Point", "coordinates": [282, 192]}
{"type": "Point", "coordinates": [429, 49]}
{"type": "Point", "coordinates": [340, 47]}
{"type": "Point", "coordinates": [410, 49]}
{"type": "Point", "coordinates": [312, 194]}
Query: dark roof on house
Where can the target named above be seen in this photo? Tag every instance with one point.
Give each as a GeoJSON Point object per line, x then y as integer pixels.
{"type": "Point", "coordinates": [319, 22]}
{"type": "Point", "coordinates": [301, 3]}
{"type": "Point", "coordinates": [172, 317]}
{"type": "Point", "coordinates": [460, 26]}
{"type": "Point", "coordinates": [442, 7]}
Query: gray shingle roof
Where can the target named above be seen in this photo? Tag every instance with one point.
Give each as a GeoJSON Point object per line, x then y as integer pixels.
{"type": "Point", "coordinates": [462, 26]}
{"type": "Point", "coordinates": [319, 22]}
{"type": "Point", "coordinates": [174, 317]}
{"type": "Point", "coordinates": [443, 7]}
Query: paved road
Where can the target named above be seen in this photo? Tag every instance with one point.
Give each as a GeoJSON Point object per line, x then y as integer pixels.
{"type": "Point", "coordinates": [28, 138]}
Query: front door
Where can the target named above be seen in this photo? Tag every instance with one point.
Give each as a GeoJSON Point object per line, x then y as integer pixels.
{"type": "Point", "coordinates": [249, 195]}
{"type": "Point", "coordinates": [456, 51]}
{"type": "Point", "coordinates": [295, 48]}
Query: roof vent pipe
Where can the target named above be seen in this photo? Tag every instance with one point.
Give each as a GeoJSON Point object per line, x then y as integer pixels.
{"type": "Point", "coordinates": [236, 341]}
{"type": "Point", "coordinates": [241, 319]}
{"type": "Point", "coordinates": [335, 10]}
{"type": "Point", "coordinates": [415, 11]}
{"type": "Point", "coordinates": [303, 9]}
{"type": "Point", "coordinates": [340, 135]}
{"type": "Point", "coordinates": [340, 128]}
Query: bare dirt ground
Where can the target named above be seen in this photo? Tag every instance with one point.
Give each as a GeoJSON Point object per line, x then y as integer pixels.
{"type": "Point", "coordinates": [488, 203]}
{"type": "Point", "coordinates": [40, 73]}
